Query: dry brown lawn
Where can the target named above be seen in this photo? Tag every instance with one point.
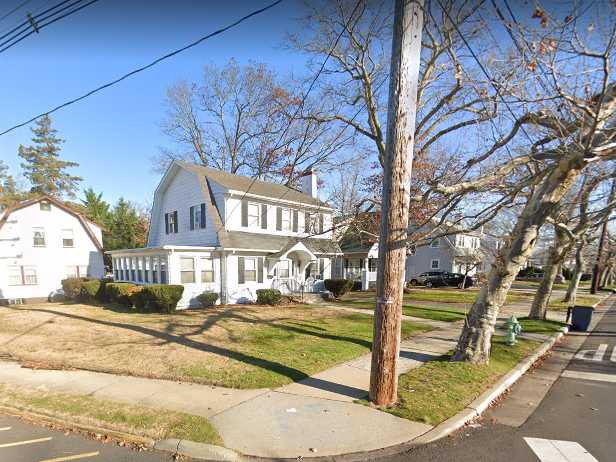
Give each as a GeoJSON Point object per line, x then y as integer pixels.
{"type": "Point", "coordinates": [235, 346]}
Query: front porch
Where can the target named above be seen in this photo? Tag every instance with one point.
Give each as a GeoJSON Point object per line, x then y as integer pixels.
{"type": "Point", "coordinates": [234, 275]}
{"type": "Point", "coordinates": [361, 269]}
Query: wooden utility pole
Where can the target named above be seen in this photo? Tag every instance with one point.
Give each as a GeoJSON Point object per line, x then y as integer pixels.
{"type": "Point", "coordinates": [403, 76]}
{"type": "Point", "coordinates": [598, 268]}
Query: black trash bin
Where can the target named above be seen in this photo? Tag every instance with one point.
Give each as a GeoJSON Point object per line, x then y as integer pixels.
{"type": "Point", "coordinates": [581, 317]}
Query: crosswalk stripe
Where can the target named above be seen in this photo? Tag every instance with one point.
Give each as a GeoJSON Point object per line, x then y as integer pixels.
{"type": "Point", "coordinates": [20, 443]}
{"type": "Point", "coordinates": [73, 457]}
{"type": "Point", "coordinates": [590, 376]}
{"type": "Point", "coordinates": [3, 429]}
{"type": "Point", "coordinates": [559, 451]}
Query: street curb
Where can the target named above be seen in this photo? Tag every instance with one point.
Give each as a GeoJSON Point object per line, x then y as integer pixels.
{"type": "Point", "coordinates": [38, 417]}
{"type": "Point", "coordinates": [483, 402]}
{"type": "Point", "coordinates": [200, 451]}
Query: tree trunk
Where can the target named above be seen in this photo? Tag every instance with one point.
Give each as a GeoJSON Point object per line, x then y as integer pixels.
{"type": "Point", "coordinates": [475, 339]}
{"type": "Point", "coordinates": [558, 252]}
{"type": "Point", "coordinates": [574, 283]}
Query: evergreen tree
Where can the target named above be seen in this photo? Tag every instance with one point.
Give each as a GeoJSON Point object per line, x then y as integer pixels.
{"type": "Point", "coordinates": [95, 208]}
{"type": "Point", "coordinates": [43, 166]}
{"type": "Point", "coordinates": [127, 228]}
{"type": "Point", "coordinates": [9, 193]}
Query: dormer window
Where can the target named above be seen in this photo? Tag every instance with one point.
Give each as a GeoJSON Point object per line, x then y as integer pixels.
{"type": "Point", "coordinates": [45, 206]}
{"type": "Point", "coordinates": [171, 222]}
{"type": "Point", "coordinates": [197, 217]}
{"type": "Point", "coordinates": [435, 243]}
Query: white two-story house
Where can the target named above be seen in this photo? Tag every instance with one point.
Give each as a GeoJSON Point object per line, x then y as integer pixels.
{"type": "Point", "coordinates": [43, 241]}
{"type": "Point", "coordinates": [213, 231]}
{"type": "Point", "coordinates": [456, 252]}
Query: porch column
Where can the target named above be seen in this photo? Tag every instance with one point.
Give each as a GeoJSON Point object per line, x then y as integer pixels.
{"type": "Point", "coordinates": [159, 259]}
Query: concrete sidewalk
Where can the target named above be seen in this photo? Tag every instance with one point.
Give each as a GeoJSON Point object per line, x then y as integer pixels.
{"type": "Point", "coordinates": [316, 416]}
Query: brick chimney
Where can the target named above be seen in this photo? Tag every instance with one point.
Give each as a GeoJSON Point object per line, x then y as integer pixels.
{"type": "Point", "coordinates": [308, 183]}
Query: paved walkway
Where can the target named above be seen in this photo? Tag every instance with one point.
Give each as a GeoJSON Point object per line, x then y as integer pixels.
{"type": "Point", "coordinates": [315, 416]}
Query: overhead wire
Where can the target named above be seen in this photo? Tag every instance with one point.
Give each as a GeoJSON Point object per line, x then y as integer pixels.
{"type": "Point", "coordinates": [143, 68]}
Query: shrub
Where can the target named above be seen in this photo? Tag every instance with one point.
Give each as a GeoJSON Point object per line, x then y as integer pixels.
{"type": "Point", "coordinates": [90, 289]}
{"type": "Point", "coordinates": [529, 271]}
{"type": "Point", "coordinates": [356, 286]}
{"type": "Point", "coordinates": [161, 297]}
{"type": "Point", "coordinates": [338, 287]}
{"type": "Point", "coordinates": [207, 299]}
{"type": "Point", "coordinates": [137, 297]}
{"type": "Point", "coordinates": [72, 287]}
{"type": "Point", "coordinates": [102, 296]}
{"type": "Point", "coordinates": [268, 296]}
{"type": "Point", "coordinates": [586, 277]}
{"type": "Point", "coordinates": [119, 292]}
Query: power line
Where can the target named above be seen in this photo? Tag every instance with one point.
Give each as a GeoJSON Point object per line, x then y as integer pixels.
{"type": "Point", "coordinates": [483, 69]}
{"type": "Point", "coordinates": [26, 23]}
{"type": "Point", "coordinates": [143, 68]}
{"type": "Point", "coordinates": [37, 26]}
{"type": "Point", "coordinates": [21, 5]}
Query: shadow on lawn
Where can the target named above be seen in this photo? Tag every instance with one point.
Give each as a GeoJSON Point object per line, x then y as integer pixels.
{"type": "Point", "coordinates": [167, 337]}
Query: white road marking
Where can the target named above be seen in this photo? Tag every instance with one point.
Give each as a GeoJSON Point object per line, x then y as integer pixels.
{"type": "Point", "coordinates": [590, 376]}
{"type": "Point", "coordinates": [20, 443]}
{"type": "Point", "coordinates": [592, 355]}
{"type": "Point", "coordinates": [559, 451]}
{"type": "Point", "coordinates": [613, 358]}
{"type": "Point", "coordinates": [3, 429]}
{"type": "Point", "coordinates": [74, 457]}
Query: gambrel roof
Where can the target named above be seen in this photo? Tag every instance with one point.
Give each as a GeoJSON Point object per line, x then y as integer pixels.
{"type": "Point", "coordinates": [61, 205]}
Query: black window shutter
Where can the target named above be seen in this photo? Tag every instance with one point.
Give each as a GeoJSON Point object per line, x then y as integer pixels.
{"type": "Point", "coordinates": [240, 270]}
{"type": "Point", "coordinates": [321, 267]}
{"type": "Point", "coordinates": [307, 223]}
{"type": "Point", "coordinates": [202, 224]}
{"type": "Point", "coordinates": [260, 269]}
{"type": "Point", "coordinates": [295, 220]}
{"type": "Point", "coordinates": [263, 216]}
{"type": "Point", "coordinates": [244, 213]}
{"type": "Point", "coordinates": [278, 219]}
{"type": "Point", "coordinates": [175, 221]}
{"type": "Point", "coordinates": [166, 223]}
{"type": "Point", "coordinates": [320, 222]}
{"type": "Point", "coordinates": [192, 217]}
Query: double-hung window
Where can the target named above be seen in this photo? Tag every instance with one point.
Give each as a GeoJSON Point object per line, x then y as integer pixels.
{"type": "Point", "coordinates": [286, 220]}
{"type": "Point", "coordinates": [38, 237]}
{"type": "Point", "coordinates": [207, 270]}
{"type": "Point", "coordinates": [435, 263]}
{"type": "Point", "coordinates": [197, 217]}
{"type": "Point", "coordinates": [171, 222]}
{"type": "Point", "coordinates": [67, 238]}
{"type": "Point", "coordinates": [250, 269]}
{"type": "Point", "coordinates": [187, 270]}
{"type": "Point", "coordinates": [435, 243]}
{"type": "Point", "coordinates": [283, 268]}
{"type": "Point", "coordinates": [22, 276]}
{"type": "Point", "coordinates": [254, 214]}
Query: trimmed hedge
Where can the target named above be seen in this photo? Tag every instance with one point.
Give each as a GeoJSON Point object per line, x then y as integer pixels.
{"type": "Point", "coordinates": [161, 297]}
{"type": "Point", "coordinates": [207, 299]}
{"type": "Point", "coordinates": [102, 295]}
{"type": "Point", "coordinates": [72, 287]}
{"type": "Point", "coordinates": [338, 287]}
{"type": "Point", "coordinates": [119, 292]}
{"type": "Point", "coordinates": [268, 296]}
{"type": "Point", "coordinates": [90, 289]}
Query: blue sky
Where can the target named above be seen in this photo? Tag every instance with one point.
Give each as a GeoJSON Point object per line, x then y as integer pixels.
{"type": "Point", "coordinates": [113, 134]}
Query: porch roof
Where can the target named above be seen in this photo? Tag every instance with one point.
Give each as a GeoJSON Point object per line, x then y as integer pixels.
{"type": "Point", "coordinates": [161, 249]}
{"type": "Point", "coordinates": [270, 243]}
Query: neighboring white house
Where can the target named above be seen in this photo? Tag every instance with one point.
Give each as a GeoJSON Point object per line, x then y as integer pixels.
{"type": "Point", "coordinates": [458, 252]}
{"type": "Point", "coordinates": [230, 234]}
{"type": "Point", "coordinates": [43, 241]}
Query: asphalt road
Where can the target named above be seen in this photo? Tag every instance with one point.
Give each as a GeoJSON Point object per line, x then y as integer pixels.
{"type": "Point", "coordinates": [21, 441]}
{"type": "Point", "coordinates": [579, 409]}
